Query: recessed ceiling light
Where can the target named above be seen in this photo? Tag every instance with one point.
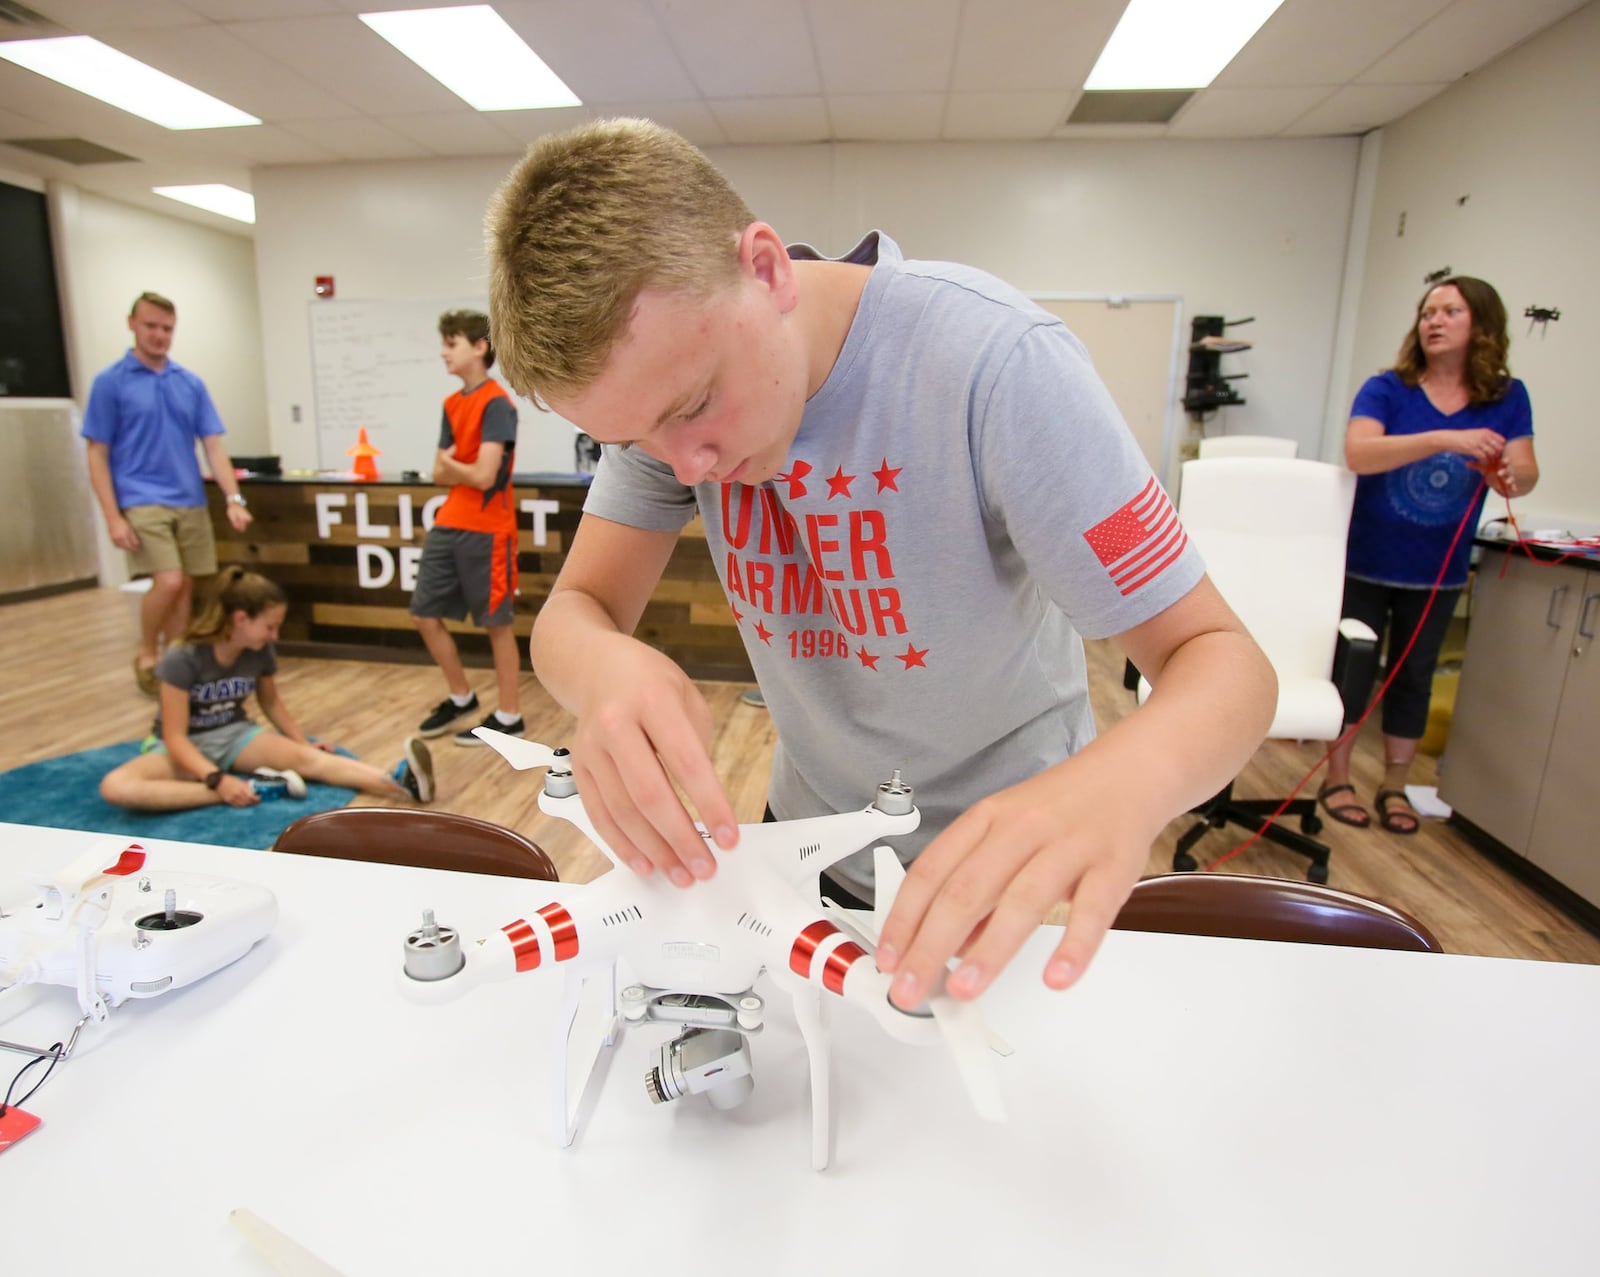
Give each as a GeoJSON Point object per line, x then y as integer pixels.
{"type": "Point", "coordinates": [1176, 44]}
{"type": "Point", "coordinates": [81, 62]}
{"type": "Point", "coordinates": [476, 55]}
{"type": "Point", "coordinates": [230, 201]}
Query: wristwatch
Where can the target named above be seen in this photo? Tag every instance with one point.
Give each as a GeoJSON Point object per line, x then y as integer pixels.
{"type": "Point", "coordinates": [237, 498]}
{"type": "Point", "coordinates": [213, 779]}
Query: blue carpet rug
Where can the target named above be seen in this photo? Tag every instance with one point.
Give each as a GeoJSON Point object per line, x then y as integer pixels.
{"type": "Point", "coordinates": [64, 793]}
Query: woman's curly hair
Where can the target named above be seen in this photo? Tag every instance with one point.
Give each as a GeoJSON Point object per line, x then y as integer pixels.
{"type": "Point", "coordinates": [1486, 372]}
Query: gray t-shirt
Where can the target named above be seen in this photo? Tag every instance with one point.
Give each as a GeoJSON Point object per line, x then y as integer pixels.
{"type": "Point", "coordinates": [216, 694]}
{"type": "Point", "coordinates": [961, 502]}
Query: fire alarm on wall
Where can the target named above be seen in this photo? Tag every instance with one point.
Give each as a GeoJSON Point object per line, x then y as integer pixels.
{"type": "Point", "coordinates": [324, 285]}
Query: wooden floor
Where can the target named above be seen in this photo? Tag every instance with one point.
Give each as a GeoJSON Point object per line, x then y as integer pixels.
{"type": "Point", "coordinates": [67, 686]}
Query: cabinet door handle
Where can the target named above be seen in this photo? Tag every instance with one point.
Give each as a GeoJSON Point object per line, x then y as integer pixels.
{"type": "Point", "coordinates": [1558, 599]}
{"type": "Point", "coordinates": [1586, 621]}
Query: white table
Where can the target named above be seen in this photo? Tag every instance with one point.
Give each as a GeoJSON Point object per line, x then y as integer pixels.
{"type": "Point", "coordinates": [1197, 1106]}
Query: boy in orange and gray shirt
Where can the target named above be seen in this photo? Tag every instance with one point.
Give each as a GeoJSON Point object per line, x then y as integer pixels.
{"type": "Point", "coordinates": [469, 560]}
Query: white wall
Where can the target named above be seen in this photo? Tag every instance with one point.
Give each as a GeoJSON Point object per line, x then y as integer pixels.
{"type": "Point", "coordinates": [112, 252]}
{"type": "Point", "coordinates": [1235, 228]}
{"type": "Point", "coordinates": [1518, 139]}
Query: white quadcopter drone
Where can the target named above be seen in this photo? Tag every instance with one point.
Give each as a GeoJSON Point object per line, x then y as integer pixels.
{"type": "Point", "coordinates": [695, 955]}
{"type": "Point", "coordinates": [112, 932]}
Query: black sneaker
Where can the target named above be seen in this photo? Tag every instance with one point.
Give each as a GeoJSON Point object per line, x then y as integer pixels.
{"type": "Point", "coordinates": [415, 770]}
{"type": "Point", "coordinates": [495, 725]}
{"type": "Point", "coordinates": [444, 716]}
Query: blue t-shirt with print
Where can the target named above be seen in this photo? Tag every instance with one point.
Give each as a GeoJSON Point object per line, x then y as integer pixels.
{"type": "Point", "coordinates": [150, 421]}
{"type": "Point", "coordinates": [1404, 519]}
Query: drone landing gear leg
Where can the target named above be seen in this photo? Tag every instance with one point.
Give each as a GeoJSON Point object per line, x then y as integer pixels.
{"type": "Point", "coordinates": [812, 1017]}
{"type": "Point", "coordinates": [567, 1115]}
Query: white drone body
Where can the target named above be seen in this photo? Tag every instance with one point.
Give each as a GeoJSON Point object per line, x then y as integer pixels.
{"type": "Point", "coordinates": [697, 953]}
{"type": "Point", "coordinates": [110, 931]}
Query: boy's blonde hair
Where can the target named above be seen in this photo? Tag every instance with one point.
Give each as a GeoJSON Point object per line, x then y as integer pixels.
{"type": "Point", "coordinates": [584, 222]}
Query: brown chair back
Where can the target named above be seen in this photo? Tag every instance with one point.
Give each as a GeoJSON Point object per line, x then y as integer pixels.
{"type": "Point", "coordinates": [420, 838]}
{"type": "Point", "coordinates": [1243, 907]}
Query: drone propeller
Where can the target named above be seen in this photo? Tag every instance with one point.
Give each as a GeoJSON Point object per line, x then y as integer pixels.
{"type": "Point", "coordinates": [961, 1023]}
{"type": "Point", "coordinates": [522, 754]}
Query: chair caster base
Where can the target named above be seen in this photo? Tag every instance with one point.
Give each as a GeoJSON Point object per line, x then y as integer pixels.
{"type": "Point", "coordinates": [1183, 862]}
{"type": "Point", "coordinates": [1317, 873]}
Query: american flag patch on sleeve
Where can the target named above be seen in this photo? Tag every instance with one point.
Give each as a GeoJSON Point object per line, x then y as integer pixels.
{"type": "Point", "coordinates": [1140, 541]}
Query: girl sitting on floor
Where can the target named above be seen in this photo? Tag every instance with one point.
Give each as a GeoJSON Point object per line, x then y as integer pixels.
{"type": "Point", "coordinates": [204, 747]}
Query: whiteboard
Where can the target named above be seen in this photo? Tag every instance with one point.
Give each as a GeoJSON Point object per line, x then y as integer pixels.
{"type": "Point", "coordinates": [1137, 347]}
{"type": "Point", "coordinates": [376, 364]}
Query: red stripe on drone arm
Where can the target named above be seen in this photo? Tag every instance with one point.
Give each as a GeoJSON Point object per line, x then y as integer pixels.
{"type": "Point", "coordinates": [563, 931]}
{"type": "Point", "coordinates": [838, 965]}
{"type": "Point", "coordinates": [524, 944]}
{"type": "Point", "coordinates": [129, 862]}
{"type": "Point", "coordinates": [805, 946]}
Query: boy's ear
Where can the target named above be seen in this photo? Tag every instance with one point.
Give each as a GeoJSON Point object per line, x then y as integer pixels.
{"type": "Point", "coordinates": [763, 257]}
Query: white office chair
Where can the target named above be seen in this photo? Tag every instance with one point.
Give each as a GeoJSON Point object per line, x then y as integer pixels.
{"type": "Point", "coordinates": [1215, 446]}
{"type": "Point", "coordinates": [1272, 532]}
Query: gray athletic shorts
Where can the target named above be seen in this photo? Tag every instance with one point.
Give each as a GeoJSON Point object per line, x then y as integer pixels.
{"type": "Point", "coordinates": [461, 572]}
{"type": "Point", "coordinates": [220, 745]}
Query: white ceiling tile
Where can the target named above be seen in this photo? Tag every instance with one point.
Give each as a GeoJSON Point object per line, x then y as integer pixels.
{"type": "Point", "coordinates": [885, 46]}
{"type": "Point", "coordinates": [735, 48]}
{"type": "Point", "coordinates": [1031, 44]}
{"type": "Point", "coordinates": [976, 116]}
{"type": "Point", "coordinates": [634, 60]}
{"type": "Point", "coordinates": [265, 144]}
{"type": "Point", "coordinates": [886, 117]}
{"type": "Point", "coordinates": [83, 16]}
{"type": "Point", "coordinates": [463, 132]}
{"type": "Point", "coordinates": [355, 65]}
{"type": "Point", "coordinates": [1116, 132]}
{"type": "Point", "coordinates": [692, 119]}
{"type": "Point", "coordinates": [1466, 36]}
{"type": "Point", "coordinates": [215, 61]}
{"type": "Point", "coordinates": [357, 138]}
{"type": "Point", "coordinates": [1245, 112]}
{"type": "Point", "coordinates": [245, 10]}
{"type": "Point", "coordinates": [526, 126]}
{"type": "Point", "coordinates": [1318, 42]}
{"type": "Point", "coordinates": [1359, 108]}
{"type": "Point", "coordinates": [753, 120]}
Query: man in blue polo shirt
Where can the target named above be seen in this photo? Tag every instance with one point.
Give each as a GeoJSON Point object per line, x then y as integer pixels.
{"type": "Point", "coordinates": [145, 413]}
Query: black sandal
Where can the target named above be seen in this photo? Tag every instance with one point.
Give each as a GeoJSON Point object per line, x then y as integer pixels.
{"type": "Point", "coordinates": [1395, 821]}
{"type": "Point", "coordinates": [1341, 813]}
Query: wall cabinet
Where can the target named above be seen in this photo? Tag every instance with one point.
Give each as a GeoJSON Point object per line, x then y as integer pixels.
{"type": "Point", "coordinates": [1526, 728]}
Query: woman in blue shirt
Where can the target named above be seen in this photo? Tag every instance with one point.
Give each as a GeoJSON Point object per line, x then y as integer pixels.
{"type": "Point", "coordinates": [1427, 438]}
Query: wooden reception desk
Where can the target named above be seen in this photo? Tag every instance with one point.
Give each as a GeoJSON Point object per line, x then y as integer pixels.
{"type": "Point", "coordinates": [346, 554]}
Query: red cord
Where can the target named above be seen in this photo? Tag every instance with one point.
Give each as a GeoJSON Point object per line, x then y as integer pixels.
{"type": "Point", "coordinates": [1355, 727]}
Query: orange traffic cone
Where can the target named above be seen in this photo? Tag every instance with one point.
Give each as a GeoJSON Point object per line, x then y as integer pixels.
{"type": "Point", "coordinates": [365, 467]}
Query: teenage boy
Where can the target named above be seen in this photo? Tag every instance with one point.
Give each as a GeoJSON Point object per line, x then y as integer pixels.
{"type": "Point", "coordinates": [917, 494]}
{"type": "Point", "coordinates": [469, 559]}
{"type": "Point", "coordinates": [144, 414]}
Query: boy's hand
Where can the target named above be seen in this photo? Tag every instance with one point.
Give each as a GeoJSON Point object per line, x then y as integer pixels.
{"type": "Point", "coordinates": [982, 886]}
{"type": "Point", "coordinates": [643, 725]}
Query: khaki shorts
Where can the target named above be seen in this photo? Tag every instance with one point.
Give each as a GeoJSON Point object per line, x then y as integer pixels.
{"type": "Point", "coordinates": [170, 538]}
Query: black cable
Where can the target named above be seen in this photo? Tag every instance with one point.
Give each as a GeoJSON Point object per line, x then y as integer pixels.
{"type": "Point", "coordinates": [53, 1055]}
